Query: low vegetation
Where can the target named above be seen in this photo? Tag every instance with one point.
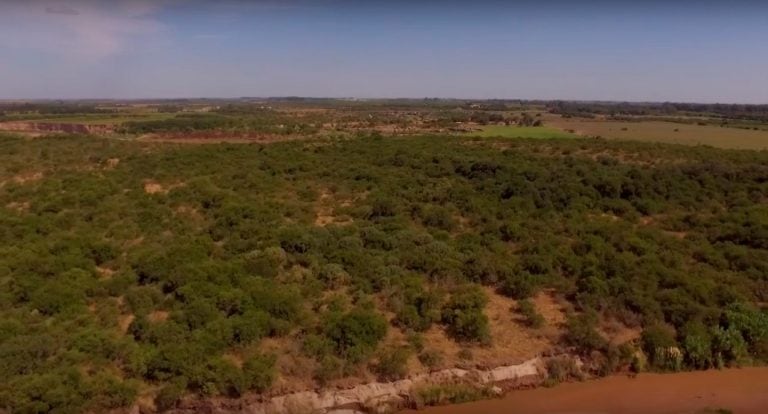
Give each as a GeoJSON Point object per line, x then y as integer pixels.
{"type": "Point", "coordinates": [136, 268]}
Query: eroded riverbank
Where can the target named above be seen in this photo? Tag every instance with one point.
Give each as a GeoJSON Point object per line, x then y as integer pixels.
{"type": "Point", "coordinates": [741, 391]}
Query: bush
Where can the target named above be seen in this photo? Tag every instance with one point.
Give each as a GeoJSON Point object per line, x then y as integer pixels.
{"type": "Point", "coordinates": [251, 326]}
{"type": "Point", "coordinates": [382, 206]}
{"type": "Point", "coordinates": [392, 364]}
{"type": "Point", "coordinates": [270, 262]}
{"type": "Point", "coordinates": [463, 315]}
{"type": "Point", "coordinates": [531, 317]}
{"type": "Point", "coordinates": [419, 310]}
{"type": "Point", "coordinates": [430, 358]}
{"type": "Point", "coordinates": [259, 372]}
{"type": "Point", "coordinates": [728, 346]}
{"type": "Point", "coordinates": [521, 285]}
{"type": "Point", "coordinates": [56, 297]}
{"type": "Point", "coordinates": [659, 344]}
{"type": "Point", "coordinates": [561, 369]}
{"type": "Point", "coordinates": [355, 334]}
{"type": "Point", "coordinates": [697, 346]}
{"type": "Point", "coordinates": [581, 332]}
{"type": "Point", "coordinates": [434, 395]}
{"type": "Point", "coordinates": [330, 368]}
{"type": "Point", "coordinates": [170, 394]}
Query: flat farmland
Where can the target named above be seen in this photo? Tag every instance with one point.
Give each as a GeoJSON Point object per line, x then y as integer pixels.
{"type": "Point", "coordinates": [667, 132]}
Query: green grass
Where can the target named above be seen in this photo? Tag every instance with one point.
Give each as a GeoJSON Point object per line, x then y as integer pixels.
{"type": "Point", "coordinates": [505, 131]}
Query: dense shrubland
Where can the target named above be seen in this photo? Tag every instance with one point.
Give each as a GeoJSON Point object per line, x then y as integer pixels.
{"type": "Point", "coordinates": [107, 288]}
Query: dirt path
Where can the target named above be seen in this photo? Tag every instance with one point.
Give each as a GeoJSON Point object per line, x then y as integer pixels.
{"type": "Point", "coordinates": [741, 391]}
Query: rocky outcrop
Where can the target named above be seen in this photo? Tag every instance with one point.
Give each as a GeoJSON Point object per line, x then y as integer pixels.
{"type": "Point", "coordinates": [19, 126]}
{"type": "Point", "coordinates": [376, 397]}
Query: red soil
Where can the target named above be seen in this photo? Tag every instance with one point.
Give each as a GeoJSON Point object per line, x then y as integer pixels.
{"type": "Point", "coordinates": [741, 391]}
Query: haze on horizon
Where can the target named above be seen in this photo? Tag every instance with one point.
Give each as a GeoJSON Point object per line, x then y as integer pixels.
{"type": "Point", "coordinates": [128, 49]}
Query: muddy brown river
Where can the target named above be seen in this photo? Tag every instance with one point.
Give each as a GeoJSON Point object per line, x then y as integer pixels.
{"type": "Point", "coordinates": [741, 391]}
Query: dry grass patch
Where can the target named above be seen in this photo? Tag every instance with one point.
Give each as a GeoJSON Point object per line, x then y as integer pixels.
{"type": "Point", "coordinates": [124, 321]}
{"type": "Point", "coordinates": [18, 206]}
{"type": "Point", "coordinates": [680, 235]}
{"type": "Point", "coordinates": [511, 342]}
{"type": "Point", "coordinates": [326, 209]}
{"type": "Point", "coordinates": [104, 272]}
{"type": "Point", "coordinates": [111, 163]}
{"type": "Point", "coordinates": [27, 177]}
{"type": "Point", "coordinates": [294, 370]}
{"type": "Point", "coordinates": [617, 333]}
{"type": "Point", "coordinates": [190, 213]}
{"type": "Point", "coordinates": [235, 359]}
{"type": "Point", "coordinates": [153, 187]}
{"type": "Point", "coordinates": [158, 316]}
{"type": "Point", "coordinates": [550, 308]}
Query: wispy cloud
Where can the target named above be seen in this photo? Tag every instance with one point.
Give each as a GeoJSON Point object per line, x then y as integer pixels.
{"type": "Point", "coordinates": [66, 10]}
{"type": "Point", "coordinates": [85, 28]}
{"type": "Point", "coordinates": [210, 36]}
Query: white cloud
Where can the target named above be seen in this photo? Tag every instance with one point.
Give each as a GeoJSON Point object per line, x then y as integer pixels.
{"type": "Point", "coordinates": [85, 28]}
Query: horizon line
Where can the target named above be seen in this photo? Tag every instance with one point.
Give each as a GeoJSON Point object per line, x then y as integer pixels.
{"type": "Point", "coordinates": [374, 98]}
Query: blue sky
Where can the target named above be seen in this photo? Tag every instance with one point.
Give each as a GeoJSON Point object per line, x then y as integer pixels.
{"type": "Point", "coordinates": [641, 51]}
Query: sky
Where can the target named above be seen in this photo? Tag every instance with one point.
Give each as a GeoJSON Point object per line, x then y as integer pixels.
{"type": "Point", "coordinates": [681, 51]}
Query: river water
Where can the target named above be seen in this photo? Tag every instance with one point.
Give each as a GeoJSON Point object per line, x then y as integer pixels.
{"type": "Point", "coordinates": [742, 391]}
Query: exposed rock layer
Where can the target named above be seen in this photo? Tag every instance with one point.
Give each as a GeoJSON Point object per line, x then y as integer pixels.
{"type": "Point", "coordinates": [375, 397]}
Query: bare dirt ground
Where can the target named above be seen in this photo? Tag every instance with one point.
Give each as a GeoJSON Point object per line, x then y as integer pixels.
{"type": "Point", "coordinates": [741, 391]}
{"type": "Point", "coordinates": [512, 342]}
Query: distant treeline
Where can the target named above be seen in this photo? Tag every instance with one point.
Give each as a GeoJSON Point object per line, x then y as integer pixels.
{"type": "Point", "coordinates": [52, 108]}
{"type": "Point", "coordinates": [590, 109]}
{"type": "Point", "coordinates": [266, 122]}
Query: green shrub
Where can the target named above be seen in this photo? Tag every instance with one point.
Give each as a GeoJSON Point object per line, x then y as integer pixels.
{"type": "Point", "coordinates": [562, 369]}
{"type": "Point", "coordinates": [267, 263]}
{"type": "Point", "coordinates": [531, 317]}
{"type": "Point", "coordinates": [431, 358]}
{"type": "Point", "coordinates": [728, 346]}
{"type": "Point", "coordinates": [259, 372]}
{"type": "Point", "coordinates": [581, 332]}
{"type": "Point", "coordinates": [463, 315]}
{"type": "Point", "coordinates": [170, 394]}
{"type": "Point", "coordinates": [659, 344]}
{"type": "Point", "coordinates": [520, 285]}
{"type": "Point", "coordinates": [355, 334]}
{"type": "Point", "coordinates": [449, 394]}
{"type": "Point", "coordinates": [392, 364]}
{"type": "Point", "coordinates": [419, 310]}
{"type": "Point", "coordinates": [251, 326]}
{"type": "Point", "coordinates": [330, 368]}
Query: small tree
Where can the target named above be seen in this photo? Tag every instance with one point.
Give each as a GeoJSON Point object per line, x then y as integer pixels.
{"type": "Point", "coordinates": [532, 318]}
{"type": "Point", "coordinates": [581, 332]}
{"type": "Point", "coordinates": [463, 315]}
{"type": "Point", "coordinates": [356, 334]}
{"type": "Point", "coordinates": [392, 364]}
